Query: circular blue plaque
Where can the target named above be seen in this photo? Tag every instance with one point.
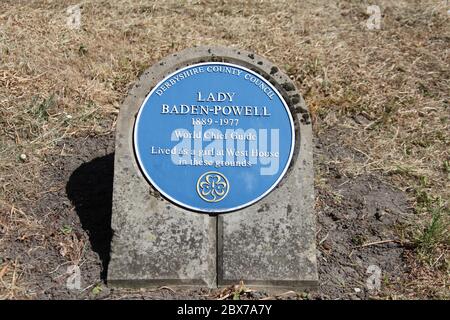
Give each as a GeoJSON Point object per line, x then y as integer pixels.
{"type": "Point", "coordinates": [214, 137]}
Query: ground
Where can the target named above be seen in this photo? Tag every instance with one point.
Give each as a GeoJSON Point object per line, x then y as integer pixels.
{"type": "Point", "coordinates": [379, 100]}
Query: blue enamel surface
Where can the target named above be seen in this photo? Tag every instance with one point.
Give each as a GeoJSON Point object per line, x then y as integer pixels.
{"type": "Point", "coordinates": [155, 129]}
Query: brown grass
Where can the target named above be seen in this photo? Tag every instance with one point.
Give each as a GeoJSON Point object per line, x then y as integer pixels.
{"type": "Point", "coordinates": [385, 92]}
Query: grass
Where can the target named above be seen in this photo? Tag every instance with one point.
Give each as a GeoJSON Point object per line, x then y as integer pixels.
{"type": "Point", "coordinates": [383, 92]}
{"type": "Point", "coordinates": [433, 237]}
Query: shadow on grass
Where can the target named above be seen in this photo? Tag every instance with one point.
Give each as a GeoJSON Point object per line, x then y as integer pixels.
{"type": "Point", "coordinates": [90, 190]}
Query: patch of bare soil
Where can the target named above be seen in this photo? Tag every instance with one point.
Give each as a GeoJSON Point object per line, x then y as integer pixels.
{"type": "Point", "coordinates": [357, 219]}
{"type": "Point", "coordinates": [74, 210]}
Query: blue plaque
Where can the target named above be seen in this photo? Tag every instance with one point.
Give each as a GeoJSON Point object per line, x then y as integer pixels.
{"type": "Point", "coordinates": [214, 137]}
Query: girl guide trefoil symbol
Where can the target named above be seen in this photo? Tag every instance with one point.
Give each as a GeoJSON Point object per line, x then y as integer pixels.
{"type": "Point", "coordinates": [212, 186]}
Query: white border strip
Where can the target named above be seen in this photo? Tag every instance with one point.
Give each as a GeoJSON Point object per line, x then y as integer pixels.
{"type": "Point", "coordinates": [213, 210]}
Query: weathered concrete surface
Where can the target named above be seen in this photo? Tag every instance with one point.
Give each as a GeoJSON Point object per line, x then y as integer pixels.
{"type": "Point", "coordinates": [269, 244]}
{"type": "Point", "coordinates": [155, 242]}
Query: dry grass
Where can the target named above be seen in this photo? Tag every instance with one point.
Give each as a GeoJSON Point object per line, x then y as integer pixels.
{"type": "Point", "coordinates": [385, 92]}
{"type": "Point", "coordinates": [20, 227]}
